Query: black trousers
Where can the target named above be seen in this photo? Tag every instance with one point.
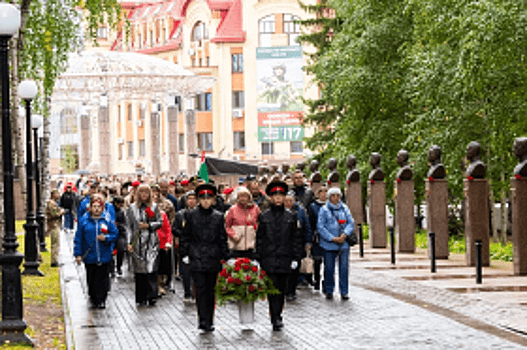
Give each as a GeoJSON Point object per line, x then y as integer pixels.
{"type": "Point", "coordinates": [98, 279]}
{"type": "Point", "coordinates": [145, 287]}
{"type": "Point", "coordinates": [276, 302]}
{"type": "Point", "coordinates": [205, 283]}
{"type": "Point", "coordinates": [292, 281]}
{"type": "Point", "coordinates": [186, 276]}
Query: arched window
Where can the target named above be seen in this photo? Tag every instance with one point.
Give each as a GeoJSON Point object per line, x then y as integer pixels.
{"type": "Point", "coordinates": [291, 28]}
{"type": "Point", "coordinates": [200, 32]}
{"type": "Point", "coordinates": [266, 30]}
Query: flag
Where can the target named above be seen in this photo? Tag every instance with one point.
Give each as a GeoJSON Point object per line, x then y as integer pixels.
{"type": "Point", "coordinates": [203, 173]}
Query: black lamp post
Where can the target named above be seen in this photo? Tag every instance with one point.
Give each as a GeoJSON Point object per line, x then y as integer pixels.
{"type": "Point", "coordinates": [36, 122]}
{"type": "Point", "coordinates": [12, 325]}
{"type": "Point", "coordinates": [28, 90]}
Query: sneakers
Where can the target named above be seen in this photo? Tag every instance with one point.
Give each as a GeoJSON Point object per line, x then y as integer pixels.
{"type": "Point", "coordinates": [278, 325]}
{"type": "Point", "coordinates": [345, 297]}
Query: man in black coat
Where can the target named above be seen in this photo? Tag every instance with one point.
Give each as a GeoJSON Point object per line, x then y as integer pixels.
{"type": "Point", "coordinates": [278, 247]}
{"type": "Point", "coordinates": [67, 201]}
{"type": "Point", "coordinates": [303, 194]}
{"type": "Point", "coordinates": [203, 246]}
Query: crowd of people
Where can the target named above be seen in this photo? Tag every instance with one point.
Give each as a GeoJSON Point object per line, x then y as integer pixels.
{"type": "Point", "coordinates": [184, 231]}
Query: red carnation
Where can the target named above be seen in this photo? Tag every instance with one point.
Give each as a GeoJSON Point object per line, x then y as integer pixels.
{"type": "Point", "coordinates": [223, 272]}
{"type": "Point", "coordinates": [329, 182]}
{"type": "Point", "coordinates": [372, 181]}
{"type": "Point", "coordinates": [222, 261]}
{"type": "Point", "coordinates": [248, 278]}
{"type": "Point", "coordinates": [518, 177]}
{"type": "Point", "coordinates": [431, 179]}
{"type": "Point", "coordinates": [238, 281]}
{"type": "Point", "coordinates": [149, 212]}
{"type": "Point", "coordinates": [246, 260]}
{"type": "Point", "coordinates": [263, 273]}
{"type": "Point", "coordinates": [230, 280]}
{"type": "Point", "coordinates": [246, 267]}
{"type": "Point", "coordinates": [261, 277]}
{"type": "Point", "coordinates": [348, 182]}
{"type": "Point", "coordinates": [248, 223]}
{"type": "Point", "coordinates": [237, 268]}
{"type": "Point", "coordinates": [342, 222]}
{"type": "Point", "coordinates": [399, 180]}
{"type": "Point", "coordinates": [255, 269]}
{"type": "Point", "coordinates": [104, 230]}
{"type": "Point", "coordinates": [114, 252]}
{"type": "Point", "coordinates": [470, 178]}
{"type": "Point", "coordinates": [251, 288]}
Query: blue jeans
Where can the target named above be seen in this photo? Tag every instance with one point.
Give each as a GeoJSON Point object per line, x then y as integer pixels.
{"type": "Point", "coordinates": [68, 219]}
{"type": "Point", "coordinates": [329, 271]}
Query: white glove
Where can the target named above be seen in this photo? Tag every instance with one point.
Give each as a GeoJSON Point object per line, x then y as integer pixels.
{"type": "Point", "coordinates": [231, 261]}
{"type": "Point", "coordinates": [168, 245]}
{"type": "Point", "coordinates": [294, 265]}
{"type": "Point", "coordinates": [186, 260]}
{"type": "Point", "coordinates": [255, 263]}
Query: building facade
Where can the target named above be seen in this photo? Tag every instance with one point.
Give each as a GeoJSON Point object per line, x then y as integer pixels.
{"type": "Point", "coordinates": [253, 112]}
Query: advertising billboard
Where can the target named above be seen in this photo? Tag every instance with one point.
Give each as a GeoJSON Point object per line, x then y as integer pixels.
{"type": "Point", "coordinates": [280, 85]}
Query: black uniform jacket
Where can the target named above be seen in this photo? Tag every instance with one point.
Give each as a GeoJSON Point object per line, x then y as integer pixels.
{"type": "Point", "coordinates": [278, 240]}
{"type": "Point", "coordinates": [204, 239]}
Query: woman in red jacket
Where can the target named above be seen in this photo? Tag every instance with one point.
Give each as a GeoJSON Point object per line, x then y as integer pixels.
{"type": "Point", "coordinates": [165, 244]}
{"type": "Point", "coordinates": [241, 224]}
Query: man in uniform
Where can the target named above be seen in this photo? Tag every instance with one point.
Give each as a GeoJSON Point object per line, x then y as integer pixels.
{"type": "Point", "coordinates": [53, 217]}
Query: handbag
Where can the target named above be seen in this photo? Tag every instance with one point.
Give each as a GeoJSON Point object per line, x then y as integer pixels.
{"type": "Point", "coordinates": [351, 239]}
{"type": "Point", "coordinates": [307, 264]}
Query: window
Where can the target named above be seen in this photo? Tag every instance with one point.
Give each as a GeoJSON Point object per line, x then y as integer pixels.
{"type": "Point", "coordinates": [292, 29]}
{"type": "Point", "coordinates": [130, 112]}
{"type": "Point", "coordinates": [130, 145]}
{"type": "Point", "coordinates": [181, 143]}
{"type": "Point", "coordinates": [239, 140]}
{"type": "Point", "coordinates": [68, 121]}
{"type": "Point", "coordinates": [151, 38]}
{"type": "Point", "coordinates": [205, 141]}
{"type": "Point", "coordinates": [102, 33]}
{"type": "Point", "coordinates": [203, 102]}
{"type": "Point", "coordinates": [208, 101]}
{"type": "Point", "coordinates": [140, 41]}
{"type": "Point", "coordinates": [121, 151]}
{"type": "Point", "coordinates": [267, 148]}
{"type": "Point", "coordinates": [200, 32]}
{"type": "Point", "coordinates": [142, 111]}
{"type": "Point", "coordinates": [142, 148]}
{"type": "Point", "coordinates": [164, 36]}
{"type": "Point", "coordinates": [297, 147]}
{"type": "Point", "coordinates": [238, 99]}
{"type": "Point", "coordinates": [69, 157]}
{"type": "Point", "coordinates": [208, 61]}
{"type": "Point", "coordinates": [237, 63]}
{"type": "Point", "coordinates": [267, 28]}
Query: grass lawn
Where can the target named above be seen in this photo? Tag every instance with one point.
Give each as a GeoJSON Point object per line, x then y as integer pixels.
{"type": "Point", "coordinates": [42, 305]}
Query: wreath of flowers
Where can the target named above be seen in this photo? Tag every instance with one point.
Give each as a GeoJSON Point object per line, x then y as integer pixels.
{"type": "Point", "coordinates": [243, 281]}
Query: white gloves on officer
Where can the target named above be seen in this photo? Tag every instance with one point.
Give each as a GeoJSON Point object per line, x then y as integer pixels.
{"type": "Point", "coordinates": [186, 260]}
{"type": "Point", "coordinates": [294, 265]}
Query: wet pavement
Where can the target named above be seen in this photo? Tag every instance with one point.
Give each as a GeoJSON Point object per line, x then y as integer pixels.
{"type": "Point", "coordinates": [369, 320]}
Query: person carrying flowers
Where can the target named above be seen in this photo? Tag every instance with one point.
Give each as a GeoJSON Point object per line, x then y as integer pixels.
{"type": "Point", "coordinates": [203, 245]}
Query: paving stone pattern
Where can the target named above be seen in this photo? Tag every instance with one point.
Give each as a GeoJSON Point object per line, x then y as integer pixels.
{"type": "Point", "coordinates": [368, 320]}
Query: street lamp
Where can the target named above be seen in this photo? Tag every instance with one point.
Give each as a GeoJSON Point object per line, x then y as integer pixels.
{"type": "Point", "coordinates": [28, 90]}
{"type": "Point", "coordinates": [36, 123]}
{"type": "Point", "coordinates": [12, 325]}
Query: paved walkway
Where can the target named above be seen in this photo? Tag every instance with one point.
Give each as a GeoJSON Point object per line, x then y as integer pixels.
{"type": "Point", "coordinates": [369, 320]}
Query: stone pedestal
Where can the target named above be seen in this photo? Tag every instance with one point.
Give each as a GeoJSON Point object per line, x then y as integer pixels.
{"type": "Point", "coordinates": [519, 224]}
{"type": "Point", "coordinates": [104, 140]}
{"type": "Point", "coordinates": [377, 214]}
{"type": "Point", "coordinates": [173, 140]}
{"type": "Point", "coordinates": [192, 142]}
{"type": "Point", "coordinates": [315, 186]}
{"type": "Point", "coordinates": [85, 142]}
{"type": "Point", "coordinates": [476, 219]}
{"type": "Point", "coordinates": [437, 214]}
{"type": "Point", "coordinates": [404, 216]}
{"type": "Point", "coordinates": [333, 184]}
{"type": "Point", "coordinates": [354, 201]}
{"type": "Point", "coordinates": [155, 147]}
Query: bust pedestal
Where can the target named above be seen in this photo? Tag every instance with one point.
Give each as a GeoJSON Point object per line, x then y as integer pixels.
{"type": "Point", "coordinates": [437, 215]}
{"type": "Point", "coordinates": [476, 194]}
{"type": "Point", "coordinates": [333, 184]}
{"type": "Point", "coordinates": [315, 186]}
{"type": "Point", "coordinates": [354, 201]}
{"type": "Point", "coordinates": [404, 216]}
{"type": "Point", "coordinates": [377, 214]}
{"type": "Point", "coordinates": [519, 224]}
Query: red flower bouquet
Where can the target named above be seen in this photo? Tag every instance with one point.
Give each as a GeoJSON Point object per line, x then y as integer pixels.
{"type": "Point", "coordinates": [518, 177]}
{"type": "Point", "coordinates": [243, 281]}
{"type": "Point", "coordinates": [431, 179]}
{"type": "Point", "coordinates": [470, 178]}
{"type": "Point", "coordinates": [149, 212]}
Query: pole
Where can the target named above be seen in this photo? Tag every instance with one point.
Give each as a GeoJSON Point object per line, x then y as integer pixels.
{"type": "Point", "coordinates": [479, 274]}
{"type": "Point", "coordinates": [13, 325]}
{"type": "Point", "coordinates": [30, 240]}
{"type": "Point", "coordinates": [432, 236]}
{"type": "Point", "coordinates": [392, 245]}
{"type": "Point", "coordinates": [361, 242]}
{"type": "Point", "coordinates": [40, 211]}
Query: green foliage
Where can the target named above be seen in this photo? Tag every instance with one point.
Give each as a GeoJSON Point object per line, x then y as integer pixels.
{"type": "Point", "coordinates": [502, 252]}
{"type": "Point", "coordinates": [414, 73]}
{"type": "Point", "coordinates": [243, 281]}
{"type": "Point", "coordinates": [456, 244]}
{"type": "Point", "coordinates": [69, 162]}
{"type": "Point", "coordinates": [421, 239]}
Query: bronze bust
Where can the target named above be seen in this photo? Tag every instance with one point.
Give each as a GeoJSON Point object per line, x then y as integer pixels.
{"type": "Point", "coordinates": [437, 170]}
{"type": "Point", "coordinates": [273, 170]}
{"type": "Point", "coordinates": [285, 168]}
{"type": "Point", "coordinates": [353, 174]}
{"type": "Point", "coordinates": [520, 151]}
{"type": "Point", "coordinates": [375, 161]}
{"type": "Point", "coordinates": [315, 174]}
{"type": "Point", "coordinates": [334, 175]}
{"type": "Point", "coordinates": [405, 173]}
{"type": "Point", "coordinates": [301, 166]}
{"type": "Point", "coordinates": [476, 168]}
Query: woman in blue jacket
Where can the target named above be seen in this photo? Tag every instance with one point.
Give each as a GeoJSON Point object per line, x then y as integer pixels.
{"type": "Point", "coordinates": [93, 244]}
{"type": "Point", "coordinates": [334, 224]}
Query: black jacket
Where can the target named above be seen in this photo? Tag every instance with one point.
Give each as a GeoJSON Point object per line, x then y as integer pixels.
{"type": "Point", "coordinates": [278, 240]}
{"type": "Point", "coordinates": [177, 225]}
{"type": "Point", "coordinates": [67, 200]}
{"type": "Point", "coordinates": [204, 239]}
{"type": "Point", "coordinates": [304, 195]}
{"type": "Point", "coordinates": [120, 222]}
